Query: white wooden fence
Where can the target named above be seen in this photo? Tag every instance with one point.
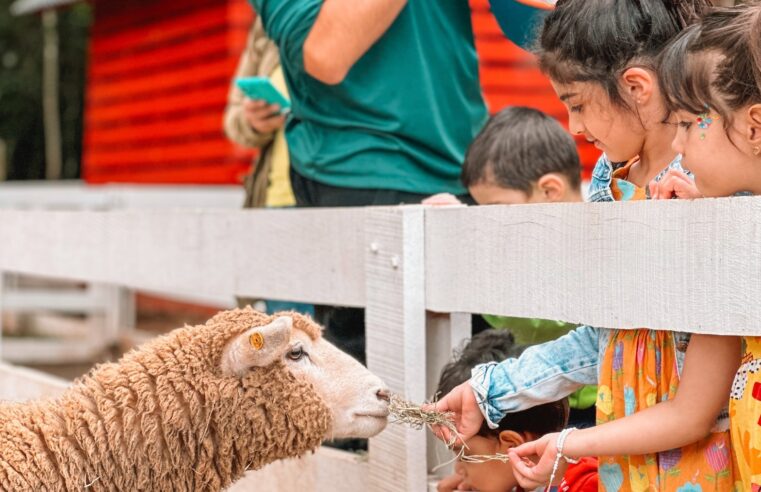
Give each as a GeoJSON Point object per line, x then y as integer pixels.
{"type": "Point", "coordinates": [690, 266]}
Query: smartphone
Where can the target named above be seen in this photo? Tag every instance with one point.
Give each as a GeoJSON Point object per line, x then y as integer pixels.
{"type": "Point", "coordinates": [262, 88]}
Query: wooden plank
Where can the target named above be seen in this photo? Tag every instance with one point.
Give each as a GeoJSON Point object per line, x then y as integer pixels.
{"type": "Point", "coordinates": [680, 265]}
{"type": "Point", "coordinates": [395, 331]}
{"type": "Point", "coordinates": [73, 195]}
{"type": "Point", "coordinates": [305, 255]}
{"type": "Point", "coordinates": [19, 384]}
{"type": "Point", "coordinates": [444, 334]}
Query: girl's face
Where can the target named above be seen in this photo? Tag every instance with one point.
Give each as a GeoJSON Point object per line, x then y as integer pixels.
{"type": "Point", "coordinates": [617, 131]}
{"type": "Point", "coordinates": [721, 160]}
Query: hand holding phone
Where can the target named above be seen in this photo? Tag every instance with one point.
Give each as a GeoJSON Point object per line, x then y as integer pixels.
{"type": "Point", "coordinates": [263, 117]}
{"type": "Point", "coordinates": [260, 88]}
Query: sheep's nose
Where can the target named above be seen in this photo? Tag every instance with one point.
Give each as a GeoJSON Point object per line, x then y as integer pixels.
{"type": "Point", "coordinates": [383, 394]}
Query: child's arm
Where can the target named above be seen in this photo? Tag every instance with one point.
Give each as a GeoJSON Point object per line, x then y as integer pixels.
{"type": "Point", "coordinates": [709, 367]}
{"type": "Point", "coordinates": [542, 374]}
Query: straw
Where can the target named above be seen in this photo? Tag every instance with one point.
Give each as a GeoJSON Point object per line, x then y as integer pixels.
{"type": "Point", "coordinates": [412, 415]}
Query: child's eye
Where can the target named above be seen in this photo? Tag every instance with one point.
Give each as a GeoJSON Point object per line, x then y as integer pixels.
{"type": "Point", "coordinates": [576, 109]}
{"type": "Point", "coordinates": [685, 124]}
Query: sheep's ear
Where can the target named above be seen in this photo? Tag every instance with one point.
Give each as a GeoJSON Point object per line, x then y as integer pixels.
{"type": "Point", "coordinates": [258, 347]}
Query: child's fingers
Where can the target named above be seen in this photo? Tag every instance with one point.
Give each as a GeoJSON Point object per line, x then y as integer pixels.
{"type": "Point", "coordinates": [654, 191]}
{"type": "Point", "coordinates": [524, 472]}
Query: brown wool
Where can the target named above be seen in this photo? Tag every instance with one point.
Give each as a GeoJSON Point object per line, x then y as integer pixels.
{"type": "Point", "coordinates": [164, 418]}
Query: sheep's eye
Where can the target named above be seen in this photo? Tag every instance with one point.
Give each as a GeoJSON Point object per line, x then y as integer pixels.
{"type": "Point", "coordinates": [296, 353]}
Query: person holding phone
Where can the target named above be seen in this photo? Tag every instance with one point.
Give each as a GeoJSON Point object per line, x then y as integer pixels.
{"type": "Point", "coordinates": [255, 123]}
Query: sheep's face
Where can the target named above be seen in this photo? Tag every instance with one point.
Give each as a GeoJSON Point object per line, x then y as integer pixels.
{"type": "Point", "coordinates": [358, 400]}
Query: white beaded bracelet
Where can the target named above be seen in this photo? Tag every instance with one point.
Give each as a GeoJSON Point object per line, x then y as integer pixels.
{"type": "Point", "coordinates": [559, 446]}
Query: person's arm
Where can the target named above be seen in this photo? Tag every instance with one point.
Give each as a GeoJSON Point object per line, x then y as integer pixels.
{"type": "Point", "coordinates": [709, 368]}
{"type": "Point", "coordinates": [543, 373]}
{"type": "Point", "coordinates": [343, 32]}
{"type": "Point", "coordinates": [249, 123]}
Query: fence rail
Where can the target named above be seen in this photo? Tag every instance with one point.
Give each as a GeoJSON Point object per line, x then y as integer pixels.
{"type": "Point", "coordinates": [688, 266]}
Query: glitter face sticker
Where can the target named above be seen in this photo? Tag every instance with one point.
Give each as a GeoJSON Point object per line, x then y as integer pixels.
{"type": "Point", "coordinates": [705, 120]}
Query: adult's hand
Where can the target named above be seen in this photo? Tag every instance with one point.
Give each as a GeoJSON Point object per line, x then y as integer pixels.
{"type": "Point", "coordinates": [674, 184]}
{"type": "Point", "coordinates": [262, 117]}
{"type": "Point", "coordinates": [462, 402]}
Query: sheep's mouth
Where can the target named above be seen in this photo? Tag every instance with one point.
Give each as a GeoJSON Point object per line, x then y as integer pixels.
{"type": "Point", "coordinates": [374, 415]}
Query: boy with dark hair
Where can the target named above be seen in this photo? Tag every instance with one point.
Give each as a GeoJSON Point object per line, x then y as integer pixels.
{"type": "Point", "coordinates": [513, 430]}
{"type": "Point", "coordinates": [520, 156]}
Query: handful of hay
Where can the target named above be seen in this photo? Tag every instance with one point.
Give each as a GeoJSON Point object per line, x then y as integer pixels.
{"type": "Point", "coordinates": [404, 412]}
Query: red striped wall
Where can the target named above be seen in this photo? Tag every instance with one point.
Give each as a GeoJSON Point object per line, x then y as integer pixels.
{"type": "Point", "coordinates": [509, 77]}
{"type": "Point", "coordinates": [158, 80]}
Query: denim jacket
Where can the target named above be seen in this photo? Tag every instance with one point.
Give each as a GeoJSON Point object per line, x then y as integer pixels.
{"type": "Point", "coordinates": [544, 373]}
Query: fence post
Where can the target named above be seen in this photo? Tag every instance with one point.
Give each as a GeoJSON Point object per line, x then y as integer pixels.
{"type": "Point", "coordinates": [445, 333]}
{"type": "Point", "coordinates": [396, 333]}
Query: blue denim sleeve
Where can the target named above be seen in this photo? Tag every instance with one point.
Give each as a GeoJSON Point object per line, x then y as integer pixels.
{"type": "Point", "coordinates": [542, 374]}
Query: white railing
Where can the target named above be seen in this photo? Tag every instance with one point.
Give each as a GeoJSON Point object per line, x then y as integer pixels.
{"type": "Point", "coordinates": [688, 266]}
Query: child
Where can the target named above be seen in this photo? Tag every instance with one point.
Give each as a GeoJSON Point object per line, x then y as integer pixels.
{"type": "Point", "coordinates": [653, 396]}
{"type": "Point", "coordinates": [513, 430]}
{"type": "Point", "coordinates": [524, 156]}
{"type": "Point", "coordinates": [520, 156]}
{"type": "Point", "coordinates": [712, 75]}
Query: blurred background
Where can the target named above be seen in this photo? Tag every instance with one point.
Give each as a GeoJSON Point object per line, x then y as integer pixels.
{"type": "Point", "coordinates": [133, 93]}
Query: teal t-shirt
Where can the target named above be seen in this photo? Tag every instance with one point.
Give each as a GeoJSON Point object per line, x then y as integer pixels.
{"type": "Point", "coordinates": [405, 113]}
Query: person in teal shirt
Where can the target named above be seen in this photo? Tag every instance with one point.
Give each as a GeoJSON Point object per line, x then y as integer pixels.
{"type": "Point", "coordinates": [385, 93]}
{"type": "Point", "coordinates": [385, 99]}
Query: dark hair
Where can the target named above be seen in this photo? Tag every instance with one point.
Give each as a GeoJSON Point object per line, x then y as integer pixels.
{"type": "Point", "coordinates": [497, 345]}
{"type": "Point", "coordinates": [520, 145]}
{"type": "Point", "coordinates": [597, 40]}
{"type": "Point", "coordinates": [715, 64]}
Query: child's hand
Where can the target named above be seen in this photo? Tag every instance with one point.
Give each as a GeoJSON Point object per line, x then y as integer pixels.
{"type": "Point", "coordinates": [674, 184]}
{"type": "Point", "coordinates": [467, 416]}
{"type": "Point", "coordinates": [442, 199]}
{"type": "Point", "coordinates": [455, 482]}
{"type": "Point", "coordinates": [531, 475]}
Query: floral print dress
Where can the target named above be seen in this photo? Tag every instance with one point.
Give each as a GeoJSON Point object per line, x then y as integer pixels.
{"type": "Point", "coordinates": [638, 370]}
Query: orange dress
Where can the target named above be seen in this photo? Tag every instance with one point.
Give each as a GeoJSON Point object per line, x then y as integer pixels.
{"type": "Point", "coordinates": [638, 370]}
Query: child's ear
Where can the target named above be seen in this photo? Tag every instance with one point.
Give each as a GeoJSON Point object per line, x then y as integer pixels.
{"type": "Point", "coordinates": [754, 128]}
{"type": "Point", "coordinates": [509, 439]}
{"type": "Point", "coordinates": [552, 186]}
{"type": "Point", "coordinates": [639, 84]}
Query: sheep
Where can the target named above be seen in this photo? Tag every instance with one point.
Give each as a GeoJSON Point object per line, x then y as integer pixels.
{"type": "Point", "coordinates": [193, 409]}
